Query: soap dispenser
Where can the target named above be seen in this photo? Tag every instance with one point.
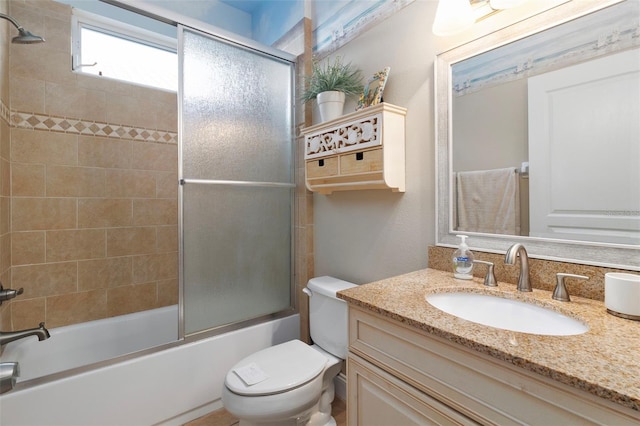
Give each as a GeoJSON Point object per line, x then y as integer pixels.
{"type": "Point", "coordinates": [462, 260]}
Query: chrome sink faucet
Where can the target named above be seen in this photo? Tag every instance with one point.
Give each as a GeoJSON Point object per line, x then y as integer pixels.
{"type": "Point", "coordinates": [518, 250]}
{"type": "Point", "coordinates": [9, 336]}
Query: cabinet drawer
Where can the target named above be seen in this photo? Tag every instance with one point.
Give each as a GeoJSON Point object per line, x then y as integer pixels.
{"type": "Point", "coordinates": [322, 168]}
{"type": "Point", "coordinates": [378, 398]}
{"type": "Point", "coordinates": [361, 162]}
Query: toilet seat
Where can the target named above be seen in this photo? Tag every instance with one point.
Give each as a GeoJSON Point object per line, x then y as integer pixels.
{"type": "Point", "coordinates": [287, 365]}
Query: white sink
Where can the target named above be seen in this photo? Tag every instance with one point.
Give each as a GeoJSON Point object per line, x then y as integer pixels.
{"type": "Point", "coordinates": [506, 314]}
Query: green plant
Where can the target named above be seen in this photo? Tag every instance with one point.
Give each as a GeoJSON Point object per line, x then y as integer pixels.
{"type": "Point", "coordinates": [333, 76]}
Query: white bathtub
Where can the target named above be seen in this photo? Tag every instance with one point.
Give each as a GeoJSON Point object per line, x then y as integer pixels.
{"type": "Point", "coordinates": [169, 387]}
{"type": "Point", "coordinates": [94, 341]}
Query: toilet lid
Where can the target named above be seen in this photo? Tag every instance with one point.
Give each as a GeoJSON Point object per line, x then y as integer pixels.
{"type": "Point", "coordinates": [279, 368]}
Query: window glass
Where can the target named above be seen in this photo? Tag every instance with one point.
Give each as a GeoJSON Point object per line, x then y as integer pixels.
{"type": "Point", "coordinates": [109, 49]}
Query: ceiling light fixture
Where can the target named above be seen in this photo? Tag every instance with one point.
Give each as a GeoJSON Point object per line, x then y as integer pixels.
{"type": "Point", "coordinates": [452, 17]}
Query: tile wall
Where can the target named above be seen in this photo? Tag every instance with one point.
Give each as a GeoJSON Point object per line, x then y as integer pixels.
{"type": "Point", "coordinates": [5, 235]}
{"type": "Point", "coordinates": [93, 185]}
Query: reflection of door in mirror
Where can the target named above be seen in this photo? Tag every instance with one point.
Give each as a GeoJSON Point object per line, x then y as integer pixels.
{"type": "Point", "coordinates": [491, 130]}
{"type": "Point", "coordinates": [584, 151]}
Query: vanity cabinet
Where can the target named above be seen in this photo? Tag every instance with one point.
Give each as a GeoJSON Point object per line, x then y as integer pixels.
{"type": "Point", "coordinates": [360, 150]}
{"type": "Point", "coordinates": [398, 374]}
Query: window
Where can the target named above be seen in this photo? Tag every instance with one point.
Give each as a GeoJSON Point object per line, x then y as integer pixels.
{"type": "Point", "coordinates": [109, 48]}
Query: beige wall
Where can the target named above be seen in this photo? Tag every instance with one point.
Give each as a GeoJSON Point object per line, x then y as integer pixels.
{"type": "Point", "coordinates": [363, 236]}
{"type": "Point", "coordinates": [93, 184]}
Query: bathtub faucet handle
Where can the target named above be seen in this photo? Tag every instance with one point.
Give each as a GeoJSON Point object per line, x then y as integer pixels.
{"type": "Point", "coordinates": [6, 294]}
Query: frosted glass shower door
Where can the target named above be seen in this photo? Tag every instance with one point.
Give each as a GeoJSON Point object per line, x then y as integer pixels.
{"type": "Point", "coordinates": [236, 179]}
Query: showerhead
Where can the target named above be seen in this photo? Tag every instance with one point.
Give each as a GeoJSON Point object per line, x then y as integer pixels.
{"type": "Point", "coordinates": [24, 37]}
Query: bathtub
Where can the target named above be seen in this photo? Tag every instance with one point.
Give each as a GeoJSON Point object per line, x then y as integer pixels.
{"type": "Point", "coordinates": [94, 341]}
{"type": "Point", "coordinates": [169, 386]}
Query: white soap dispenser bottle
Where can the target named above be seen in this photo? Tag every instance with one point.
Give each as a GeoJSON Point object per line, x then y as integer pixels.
{"type": "Point", "coordinates": [462, 260]}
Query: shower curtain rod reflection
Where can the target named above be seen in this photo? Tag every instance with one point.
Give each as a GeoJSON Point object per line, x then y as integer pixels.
{"type": "Point", "coordinates": [237, 183]}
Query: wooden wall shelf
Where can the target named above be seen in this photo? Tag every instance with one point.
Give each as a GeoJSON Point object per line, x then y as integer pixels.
{"type": "Point", "coordinates": [360, 150]}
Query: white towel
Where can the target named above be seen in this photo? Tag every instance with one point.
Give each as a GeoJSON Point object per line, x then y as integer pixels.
{"type": "Point", "coordinates": [488, 201]}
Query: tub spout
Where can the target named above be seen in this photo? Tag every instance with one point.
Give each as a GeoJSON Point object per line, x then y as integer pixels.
{"type": "Point", "coordinates": [9, 336]}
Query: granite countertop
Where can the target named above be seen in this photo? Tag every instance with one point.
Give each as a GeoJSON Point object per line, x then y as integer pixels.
{"type": "Point", "coordinates": [604, 361]}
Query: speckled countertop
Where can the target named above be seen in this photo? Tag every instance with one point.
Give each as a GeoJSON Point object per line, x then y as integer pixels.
{"type": "Point", "coordinates": [604, 361]}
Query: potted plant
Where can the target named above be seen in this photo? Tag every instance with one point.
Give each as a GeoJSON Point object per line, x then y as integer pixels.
{"type": "Point", "coordinates": [329, 84]}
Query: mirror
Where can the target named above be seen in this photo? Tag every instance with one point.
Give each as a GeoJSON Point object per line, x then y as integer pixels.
{"type": "Point", "coordinates": [493, 100]}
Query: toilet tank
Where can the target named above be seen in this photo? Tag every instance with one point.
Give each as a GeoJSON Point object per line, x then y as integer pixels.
{"type": "Point", "coordinates": [328, 315]}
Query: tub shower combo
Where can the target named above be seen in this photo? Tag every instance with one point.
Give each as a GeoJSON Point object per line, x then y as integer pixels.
{"type": "Point", "coordinates": [235, 231]}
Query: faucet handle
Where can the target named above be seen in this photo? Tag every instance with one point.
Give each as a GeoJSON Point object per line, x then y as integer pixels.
{"type": "Point", "coordinates": [560, 292]}
{"type": "Point", "coordinates": [6, 294]}
{"type": "Point", "coordinates": [490, 277]}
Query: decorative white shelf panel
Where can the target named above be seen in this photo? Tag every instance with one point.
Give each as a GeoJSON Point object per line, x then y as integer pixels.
{"type": "Point", "coordinates": [360, 150]}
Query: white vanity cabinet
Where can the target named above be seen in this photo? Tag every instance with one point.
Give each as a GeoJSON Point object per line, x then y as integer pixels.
{"type": "Point", "coordinates": [401, 375]}
{"type": "Point", "coordinates": [360, 150]}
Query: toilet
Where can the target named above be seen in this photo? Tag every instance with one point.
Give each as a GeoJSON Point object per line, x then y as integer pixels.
{"type": "Point", "coordinates": [292, 383]}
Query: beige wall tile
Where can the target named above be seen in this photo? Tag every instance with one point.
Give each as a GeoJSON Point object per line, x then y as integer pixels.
{"type": "Point", "coordinates": [5, 175]}
{"type": "Point", "coordinates": [5, 252]}
{"type": "Point", "coordinates": [5, 209]}
{"type": "Point", "coordinates": [155, 267]}
{"type": "Point", "coordinates": [167, 293]}
{"type": "Point", "coordinates": [76, 308]}
{"type": "Point", "coordinates": [27, 248]}
{"type": "Point", "coordinates": [57, 32]}
{"type": "Point", "coordinates": [5, 138]}
{"type": "Point", "coordinates": [68, 100]}
{"type": "Point", "coordinates": [64, 181]}
{"type": "Point", "coordinates": [155, 212]}
{"type": "Point", "coordinates": [75, 245]}
{"type": "Point", "coordinates": [155, 156]}
{"type": "Point", "coordinates": [31, 98]}
{"type": "Point", "coordinates": [31, 214]}
{"type": "Point", "coordinates": [134, 298]}
{"type": "Point", "coordinates": [101, 212]}
{"type": "Point", "coordinates": [27, 180]}
{"type": "Point", "coordinates": [28, 313]}
{"type": "Point", "coordinates": [33, 146]}
{"type": "Point", "coordinates": [39, 62]}
{"type": "Point", "coordinates": [130, 184]}
{"type": "Point", "coordinates": [5, 317]}
{"type": "Point", "coordinates": [167, 239]}
{"type": "Point", "coordinates": [133, 240]}
{"type": "Point", "coordinates": [104, 152]}
{"type": "Point", "coordinates": [105, 273]}
{"type": "Point", "coordinates": [167, 113]}
{"type": "Point", "coordinates": [128, 110]}
{"type": "Point", "coordinates": [167, 185]}
{"type": "Point", "coordinates": [45, 279]}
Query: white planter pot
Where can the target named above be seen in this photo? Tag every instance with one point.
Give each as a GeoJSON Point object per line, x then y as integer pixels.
{"type": "Point", "coordinates": [331, 105]}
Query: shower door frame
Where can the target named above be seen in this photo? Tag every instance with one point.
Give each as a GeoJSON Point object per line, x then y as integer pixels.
{"type": "Point", "coordinates": [181, 21]}
{"type": "Point", "coordinates": [268, 52]}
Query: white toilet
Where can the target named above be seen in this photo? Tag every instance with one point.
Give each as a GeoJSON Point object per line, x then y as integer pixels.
{"type": "Point", "coordinates": [292, 383]}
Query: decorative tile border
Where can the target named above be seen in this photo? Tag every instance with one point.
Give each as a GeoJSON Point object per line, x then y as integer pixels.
{"type": "Point", "coordinates": [5, 112]}
{"type": "Point", "coordinates": [83, 127]}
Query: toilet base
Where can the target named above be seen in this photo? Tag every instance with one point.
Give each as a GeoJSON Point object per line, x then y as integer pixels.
{"type": "Point", "coordinates": [319, 415]}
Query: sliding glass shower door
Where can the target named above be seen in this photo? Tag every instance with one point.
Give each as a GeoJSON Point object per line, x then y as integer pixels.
{"type": "Point", "coordinates": [236, 175]}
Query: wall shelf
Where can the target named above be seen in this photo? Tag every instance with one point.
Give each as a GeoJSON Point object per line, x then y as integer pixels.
{"type": "Point", "coordinates": [360, 150]}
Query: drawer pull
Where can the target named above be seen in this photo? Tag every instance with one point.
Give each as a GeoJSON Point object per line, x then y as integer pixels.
{"type": "Point", "coordinates": [359, 156]}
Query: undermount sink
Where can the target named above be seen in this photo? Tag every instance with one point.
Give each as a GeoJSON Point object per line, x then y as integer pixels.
{"type": "Point", "coordinates": [507, 314]}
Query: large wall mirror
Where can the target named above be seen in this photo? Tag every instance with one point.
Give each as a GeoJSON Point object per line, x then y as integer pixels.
{"type": "Point", "coordinates": [538, 136]}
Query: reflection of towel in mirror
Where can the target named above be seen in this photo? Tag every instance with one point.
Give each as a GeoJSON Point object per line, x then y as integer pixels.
{"type": "Point", "coordinates": [488, 201]}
